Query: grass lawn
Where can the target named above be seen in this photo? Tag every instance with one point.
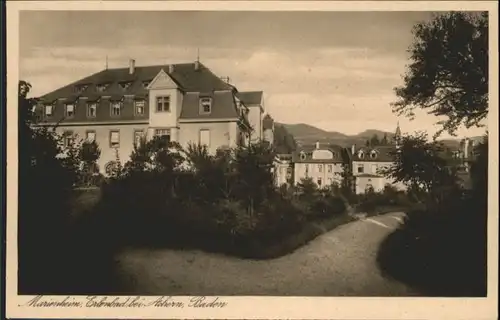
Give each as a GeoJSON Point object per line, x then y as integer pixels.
{"type": "Point", "coordinates": [309, 232]}
{"type": "Point", "coordinates": [84, 200]}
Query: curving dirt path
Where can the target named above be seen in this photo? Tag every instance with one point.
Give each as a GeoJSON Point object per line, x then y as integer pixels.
{"type": "Point", "coordinates": [341, 262]}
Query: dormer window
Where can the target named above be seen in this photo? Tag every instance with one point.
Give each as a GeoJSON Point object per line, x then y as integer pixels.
{"type": "Point", "coordinates": [70, 110]}
{"type": "Point", "coordinates": [302, 156]}
{"type": "Point", "coordinates": [146, 83]}
{"type": "Point", "coordinates": [373, 154]}
{"type": "Point", "coordinates": [91, 110]}
{"type": "Point", "coordinates": [116, 108]}
{"type": "Point", "coordinates": [102, 87]}
{"type": "Point", "coordinates": [139, 107]}
{"type": "Point", "coordinates": [125, 85]}
{"type": "Point", "coordinates": [205, 105]}
{"type": "Point", "coordinates": [80, 88]}
{"type": "Point", "coordinates": [361, 154]}
{"type": "Point", "coordinates": [49, 110]}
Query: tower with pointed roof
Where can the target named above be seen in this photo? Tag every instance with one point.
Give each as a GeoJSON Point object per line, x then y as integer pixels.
{"type": "Point", "coordinates": [397, 136]}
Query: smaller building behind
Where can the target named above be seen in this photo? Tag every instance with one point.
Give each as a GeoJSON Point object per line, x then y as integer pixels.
{"type": "Point", "coordinates": [368, 164]}
{"type": "Point", "coordinates": [323, 164]}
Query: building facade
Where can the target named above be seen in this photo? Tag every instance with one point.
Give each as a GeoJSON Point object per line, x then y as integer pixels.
{"type": "Point", "coordinates": [324, 165]}
{"type": "Point", "coordinates": [369, 164]}
{"type": "Point", "coordinates": [185, 103]}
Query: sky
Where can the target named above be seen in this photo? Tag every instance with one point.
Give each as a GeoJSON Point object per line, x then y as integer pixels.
{"type": "Point", "coordinates": [332, 70]}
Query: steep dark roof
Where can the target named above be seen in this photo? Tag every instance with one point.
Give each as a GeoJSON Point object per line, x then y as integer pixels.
{"type": "Point", "coordinates": [185, 75]}
{"type": "Point", "coordinates": [223, 106]}
{"type": "Point", "coordinates": [383, 154]}
{"type": "Point", "coordinates": [250, 97]}
{"type": "Point", "coordinates": [308, 152]}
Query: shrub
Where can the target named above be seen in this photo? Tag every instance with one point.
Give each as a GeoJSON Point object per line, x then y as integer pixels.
{"type": "Point", "coordinates": [337, 205]}
{"type": "Point", "coordinates": [227, 202]}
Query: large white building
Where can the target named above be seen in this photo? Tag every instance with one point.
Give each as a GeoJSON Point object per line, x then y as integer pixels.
{"type": "Point", "coordinates": [186, 103]}
{"type": "Point", "coordinates": [323, 164]}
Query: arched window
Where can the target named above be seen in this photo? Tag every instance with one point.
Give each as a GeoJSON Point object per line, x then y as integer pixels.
{"type": "Point", "coordinates": [373, 154]}
{"type": "Point", "coordinates": [361, 154]}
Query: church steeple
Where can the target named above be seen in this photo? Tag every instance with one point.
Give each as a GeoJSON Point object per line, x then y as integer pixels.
{"type": "Point", "coordinates": [397, 136]}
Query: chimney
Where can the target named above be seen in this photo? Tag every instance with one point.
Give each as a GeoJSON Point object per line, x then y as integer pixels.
{"type": "Point", "coordinates": [131, 67]}
{"type": "Point", "coordinates": [317, 144]}
{"type": "Point", "coordinates": [196, 65]}
{"type": "Point", "coordinates": [353, 149]}
{"type": "Point", "coordinates": [171, 68]}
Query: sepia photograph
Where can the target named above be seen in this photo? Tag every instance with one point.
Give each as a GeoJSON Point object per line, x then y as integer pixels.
{"type": "Point", "coordinates": [213, 153]}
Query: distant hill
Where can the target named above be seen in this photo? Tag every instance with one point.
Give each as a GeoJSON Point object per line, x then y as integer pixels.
{"type": "Point", "coordinates": [305, 134]}
{"type": "Point", "coordinates": [367, 134]}
{"type": "Point", "coordinates": [306, 131]}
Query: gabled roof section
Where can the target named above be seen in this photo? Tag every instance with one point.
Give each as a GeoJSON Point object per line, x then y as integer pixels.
{"type": "Point", "coordinates": [251, 97]}
{"type": "Point", "coordinates": [223, 106]}
{"type": "Point", "coordinates": [162, 80]}
{"type": "Point", "coordinates": [188, 78]}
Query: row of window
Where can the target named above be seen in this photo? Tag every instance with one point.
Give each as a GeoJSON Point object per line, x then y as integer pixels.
{"type": "Point", "coordinates": [114, 136]}
{"type": "Point", "coordinates": [162, 105]}
{"type": "Point", "coordinates": [115, 109]}
{"type": "Point", "coordinates": [319, 168]}
{"type": "Point", "coordinates": [101, 87]}
{"type": "Point", "coordinates": [373, 154]}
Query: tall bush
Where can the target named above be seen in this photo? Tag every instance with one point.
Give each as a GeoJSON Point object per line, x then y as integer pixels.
{"type": "Point", "coordinates": [47, 174]}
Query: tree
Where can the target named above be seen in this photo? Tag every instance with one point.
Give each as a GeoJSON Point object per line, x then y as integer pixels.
{"type": "Point", "coordinates": [198, 157]}
{"type": "Point", "coordinates": [212, 173]}
{"type": "Point", "coordinates": [252, 165]}
{"type": "Point", "coordinates": [157, 155]}
{"type": "Point", "coordinates": [89, 153]}
{"type": "Point", "coordinates": [46, 180]}
{"type": "Point", "coordinates": [479, 172]}
{"type": "Point", "coordinates": [448, 73]}
{"type": "Point", "coordinates": [284, 142]}
{"type": "Point", "coordinates": [418, 164]}
{"type": "Point", "coordinates": [307, 188]}
{"type": "Point", "coordinates": [374, 141]}
{"type": "Point", "coordinates": [385, 140]}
